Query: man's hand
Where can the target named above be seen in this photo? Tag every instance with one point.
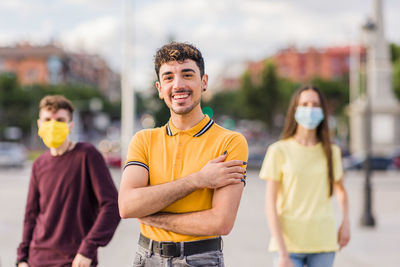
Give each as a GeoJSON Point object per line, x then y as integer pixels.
{"type": "Point", "coordinates": [81, 261]}
{"type": "Point", "coordinates": [218, 173]}
{"type": "Point", "coordinates": [23, 264]}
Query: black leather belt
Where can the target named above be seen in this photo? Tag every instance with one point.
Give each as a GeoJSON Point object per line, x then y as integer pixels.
{"type": "Point", "coordinates": [173, 249]}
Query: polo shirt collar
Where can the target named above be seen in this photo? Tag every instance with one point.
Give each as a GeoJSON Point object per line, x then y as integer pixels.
{"type": "Point", "coordinates": [203, 126]}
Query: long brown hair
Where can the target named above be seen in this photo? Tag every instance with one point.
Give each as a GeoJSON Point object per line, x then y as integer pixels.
{"type": "Point", "coordinates": [322, 130]}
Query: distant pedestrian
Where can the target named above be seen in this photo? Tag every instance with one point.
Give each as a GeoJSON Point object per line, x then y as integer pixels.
{"type": "Point", "coordinates": [183, 181]}
{"type": "Point", "coordinates": [72, 206]}
{"type": "Point", "coordinates": [303, 170]}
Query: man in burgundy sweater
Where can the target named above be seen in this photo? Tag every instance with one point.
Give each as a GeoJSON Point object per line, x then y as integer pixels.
{"type": "Point", "coordinates": [71, 207]}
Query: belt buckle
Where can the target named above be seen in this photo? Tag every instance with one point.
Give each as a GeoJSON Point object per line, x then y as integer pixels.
{"type": "Point", "coordinates": [169, 249]}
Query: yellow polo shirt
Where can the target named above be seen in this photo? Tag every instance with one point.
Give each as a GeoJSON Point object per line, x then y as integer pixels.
{"type": "Point", "coordinates": [303, 203]}
{"type": "Point", "coordinates": [170, 154]}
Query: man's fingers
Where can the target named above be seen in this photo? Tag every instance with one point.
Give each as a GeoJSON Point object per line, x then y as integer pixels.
{"type": "Point", "coordinates": [235, 181]}
{"type": "Point", "coordinates": [235, 169]}
{"type": "Point", "coordinates": [232, 163]}
{"type": "Point", "coordinates": [234, 175]}
{"type": "Point", "coordinates": [219, 159]}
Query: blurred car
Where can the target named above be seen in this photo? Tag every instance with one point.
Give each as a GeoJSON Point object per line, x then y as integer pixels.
{"type": "Point", "coordinates": [256, 155]}
{"type": "Point", "coordinates": [113, 160]}
{"type": "Point", "coordinates": [12, 155]}
{"type": "Point", "coordinates": [396, 160]}
{"type": "Point", "coordinates": [377, 163]}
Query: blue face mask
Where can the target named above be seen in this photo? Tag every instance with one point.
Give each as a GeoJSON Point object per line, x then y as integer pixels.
{"type": "Point", "coordinates": [309, 117]}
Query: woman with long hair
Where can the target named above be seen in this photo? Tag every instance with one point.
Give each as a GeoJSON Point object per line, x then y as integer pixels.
{"type": "Point", "coordinates": [303, 170]}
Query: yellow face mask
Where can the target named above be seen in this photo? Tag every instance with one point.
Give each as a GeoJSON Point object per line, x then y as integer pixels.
{"type": "Point", "coordinates": [53, 133]}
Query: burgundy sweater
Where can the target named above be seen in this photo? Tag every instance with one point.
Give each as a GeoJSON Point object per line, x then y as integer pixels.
{"type": "Point", "coordinates": [71, 208]}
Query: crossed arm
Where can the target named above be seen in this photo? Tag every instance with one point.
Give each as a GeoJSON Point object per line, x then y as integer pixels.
{"type": "Point", "coordinates": [218, 220]}
{"type": "Point", "coordinates": [138, 200]}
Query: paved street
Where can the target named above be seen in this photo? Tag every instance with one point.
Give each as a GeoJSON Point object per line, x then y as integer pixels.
{"type": "Point", "coordinates": [246, 246]}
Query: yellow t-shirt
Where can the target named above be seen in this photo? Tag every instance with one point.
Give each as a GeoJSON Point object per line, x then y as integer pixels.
{"type": "Point", "coordinates": [303, 203]}
{"type": "Point", "coordinates": [170, 154]}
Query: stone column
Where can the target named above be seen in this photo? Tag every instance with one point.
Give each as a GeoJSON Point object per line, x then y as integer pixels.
{"type": "Point", "coordinates": [378, 96]}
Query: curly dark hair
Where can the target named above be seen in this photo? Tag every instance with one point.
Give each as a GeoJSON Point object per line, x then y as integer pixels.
{"type": "Point", "coordinates": [178, 52]}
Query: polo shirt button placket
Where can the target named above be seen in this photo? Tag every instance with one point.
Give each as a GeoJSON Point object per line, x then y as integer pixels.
{"type": "Point", "coordinates": [179, 148]}
{"type": "Point", "coordinates": [179, 154]}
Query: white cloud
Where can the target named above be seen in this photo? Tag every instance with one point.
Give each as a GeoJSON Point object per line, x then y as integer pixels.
{"type": "Point", "coordinates": [101, 36]}
{"type": "Point", "coordinates": [242, 29]}
{"type": "Point", "coordinates": [14, 5]}
{"type": "Point", "coordinates": [89, 3]}
{"type": "Point", "coordinates": [224, 30]}
{"type": "Point", "coordinates": [92, 34]}
{"type": "Point", "coordinates": [26, 8]}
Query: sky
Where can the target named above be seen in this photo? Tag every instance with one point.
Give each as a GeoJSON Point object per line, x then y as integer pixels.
{"type": "Point", "coordinates": [226, 31]}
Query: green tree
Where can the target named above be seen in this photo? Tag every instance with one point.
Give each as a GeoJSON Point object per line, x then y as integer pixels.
{"type": "Point", "coordinates": [225, 103]}
{"type": "Point", "coordinates": [336, 93]}
{"type": "Point", "coordinates": [396, 78]}
{"type": "Point", "coordinates": [156, 107]}
{"type": "Point", "coordinates": [14, 104]}
{"type": "Point", "coordinates": [395, 56]}
{"type": "Point", "coordinates": [268, 100]}
{"type": "Point", "coordinates": [286, 90]}
{"type": "Point", "coordinates": [269, 93]}
{"type": "Point", "coordinates": [19, 104]}
{"type": "Point", "coordinates": [249, 97]}
{"type": "Point", "coordinates": [394, 52]}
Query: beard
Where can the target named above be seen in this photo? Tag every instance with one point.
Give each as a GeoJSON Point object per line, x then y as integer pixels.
{"type": "Point", "coordinates": [184, 110]}
{"type": "Point", "coordinates": [179, 108]}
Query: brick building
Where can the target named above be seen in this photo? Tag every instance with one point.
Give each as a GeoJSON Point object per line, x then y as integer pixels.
{"type": "Point", "coordinates": [301, 66]}
{"type": "Point", "coordinates": [51, 64]}
{"type": "Point", "coordinates": [296, 65]}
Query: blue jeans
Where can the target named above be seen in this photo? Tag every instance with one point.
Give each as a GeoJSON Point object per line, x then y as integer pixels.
{"type": "Point", "coordinates": [323, 259]}
{"type": "Point", "coordinates": [145, 258]}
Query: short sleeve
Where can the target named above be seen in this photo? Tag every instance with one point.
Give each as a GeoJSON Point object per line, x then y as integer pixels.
{"type": "Point", "coordinates": [337, 163]}
{"type": "Point", "coordinates": [137, 151]}
{"type": "Point", "coordinates": [238, 149]}
{"type": "Point", "coordinates": [271, 168]}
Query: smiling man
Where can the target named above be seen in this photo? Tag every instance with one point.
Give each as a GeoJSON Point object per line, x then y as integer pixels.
{"type": "Point", "coordinates": [183, 181]}
{"type": "Point", "coordinates": [71, 208]}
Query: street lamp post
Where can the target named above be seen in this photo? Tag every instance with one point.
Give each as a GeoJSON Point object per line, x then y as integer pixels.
{"type": "Point", "coordinates": [127, 91]}
{"type": "Point", "coordinates": [367, 218]}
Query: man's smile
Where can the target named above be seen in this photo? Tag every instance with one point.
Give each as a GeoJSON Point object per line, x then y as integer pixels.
{"type": "Point", "coordinates": [180, 96]}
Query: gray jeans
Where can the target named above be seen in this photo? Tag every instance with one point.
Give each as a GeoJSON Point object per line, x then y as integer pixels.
{"type": "Point", "coordinates": [145, 258]}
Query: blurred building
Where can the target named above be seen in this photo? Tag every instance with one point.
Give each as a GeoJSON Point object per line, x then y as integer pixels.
{"type": "Point", "coordinates": [52, 65]}
{"type": "Point", "coordinates": [229, 79]}
{"type": "Point", "coordinates": [302, 66]}
{"type": "Point", "coordinates": [294, 64]}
